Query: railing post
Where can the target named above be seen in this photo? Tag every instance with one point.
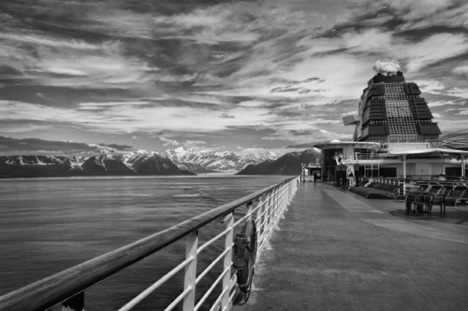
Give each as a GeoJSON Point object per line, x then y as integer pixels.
{"type": "Point", "coordinates": [75, 303]}
{"type": "Point", "coordinates": [190, 270]}
{"type": "Point", "coordinates": [282, 199]}
{"type": "Point", "coordinates": [228, 261]}
{"type": "Point", "coordinates": [285, 200]}
{"type": "Point", "coordinates": [279, 199]}
{"type": "Point", "coordinates": [249, 210]}
{"type": "Point", "coordinates": [275, 205]}
{"type": "Point", "coordinates": [291, 190]}
{"type": "Point", "coordinates": [270, 206]}
{"type": "Point", "coordinates": [259, 219]}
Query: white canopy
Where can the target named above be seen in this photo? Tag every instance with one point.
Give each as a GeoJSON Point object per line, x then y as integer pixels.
{"type": "Point", "coordinates": [428, 150]}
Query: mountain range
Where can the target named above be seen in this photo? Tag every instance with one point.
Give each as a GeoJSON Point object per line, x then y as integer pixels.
{"type": "Point", "coordinates": [104, 160]}
{"type": "Point", "coordinates": [99, 165]}
{"type": "Point", "coordinates": [180, 161]}
{"type": "Point", "coordinates": [288, 164]}
{"type": "Point", "coordinates": [210, 161]}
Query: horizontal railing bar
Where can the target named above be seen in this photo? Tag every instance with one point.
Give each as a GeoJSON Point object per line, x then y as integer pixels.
{"type": "Point", "coordinates": [264, 233]}
{"type": "Point", "coordinates": [257, 207]}
{"type": "Point", "coordinates": [211, 265]}
{"type": "Point", "coordinates": [232, 284]}
{"type": "Point", "coordinates": [214, 239]}
{"type": "Point", "coordinates": [265, 211]}
{"type": "Point", "coordinates": [208, 243]}
{"type": "Point", "coordinates": [264, 222]}
{"type": "Point", "coordinates": [260, 245]}
{"type": "Point", "coordinates": [47, 292]}
{"type": "Point", "coordinates": [179, 299]}
{"type": "Point", "coordinates": [155, 286]}
{"type": "Point", "coordinates": [212, 287]}
{"type": "Point", "coordinates": [238, 222]}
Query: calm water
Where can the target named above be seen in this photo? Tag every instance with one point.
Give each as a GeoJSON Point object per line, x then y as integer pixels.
{"type": "Point", "coordinates": [48, 225]}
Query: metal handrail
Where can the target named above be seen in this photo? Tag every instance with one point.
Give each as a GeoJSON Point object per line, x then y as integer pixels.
{"type": "Point", "coordinates": [155, 286]}
{"type": "Point", "coordinates": [67, 284]}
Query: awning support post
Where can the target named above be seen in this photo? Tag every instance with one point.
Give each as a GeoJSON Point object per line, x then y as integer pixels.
{"type": "Point", "coordinates": [462, 166]}
{"type": "Point", "coordinates": [404, 174]}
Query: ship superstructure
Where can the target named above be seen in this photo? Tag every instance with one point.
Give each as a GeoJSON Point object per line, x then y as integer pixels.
{"type": "Point", "coordinates": [391, 110]}
{"type": "Point", "coordinates": [394, 136]}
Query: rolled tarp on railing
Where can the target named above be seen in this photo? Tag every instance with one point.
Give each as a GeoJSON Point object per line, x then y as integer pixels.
{"type": "Point", "coordinates": [59, 287]}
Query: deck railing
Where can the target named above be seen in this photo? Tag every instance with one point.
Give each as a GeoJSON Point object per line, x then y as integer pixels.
{"type": "Point", "coordinates": [68, 287]}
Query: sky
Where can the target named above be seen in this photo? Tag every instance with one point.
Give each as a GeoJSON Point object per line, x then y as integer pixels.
{"type": "Point", "coordinates": [236, 76]}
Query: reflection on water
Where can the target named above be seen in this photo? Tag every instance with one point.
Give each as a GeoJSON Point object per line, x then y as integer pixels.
{"type": "Point", "coordinates": [48, 225]}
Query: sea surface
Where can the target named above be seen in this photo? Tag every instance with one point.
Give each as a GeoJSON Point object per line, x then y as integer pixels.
{"type": "Point", "coordinates": [50, 224]}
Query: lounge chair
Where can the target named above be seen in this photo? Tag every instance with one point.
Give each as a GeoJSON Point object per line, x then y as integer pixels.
{"type": "Point", "coordinates": [458, 194]}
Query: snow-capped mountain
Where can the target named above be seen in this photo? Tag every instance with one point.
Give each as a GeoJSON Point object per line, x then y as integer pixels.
{"type": "Point", "coordinates": [151, 163]}
{"type": "Point", "coordinates": [180, 161]}
{"type": "Point", "coordinates": [288, 164]}
{"type": "Point", "coordinates": [137, 163]}
{"type": "Point", "coordinates": [210, 161]}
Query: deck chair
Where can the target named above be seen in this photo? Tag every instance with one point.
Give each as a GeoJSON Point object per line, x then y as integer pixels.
{"type": "Point", "coordinates": [439, 197]}
{"type": "Point", "coordinates": [433, 189]}
{"type": "Point", "coordinates": [424, 187]}
{"type": "Point", "coordinates": [463, 197]}
{"type": "Point", "coordinates": [422, 204]}
{"type": "Point", "coordinates": [454, 197]}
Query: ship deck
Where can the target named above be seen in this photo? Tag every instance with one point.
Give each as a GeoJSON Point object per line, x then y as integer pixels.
{"type": "Point", "coordinates": [338, 251]}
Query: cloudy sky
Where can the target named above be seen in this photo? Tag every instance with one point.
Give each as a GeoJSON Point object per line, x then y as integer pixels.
{"type": "Point", "coordinates": [214, 74]}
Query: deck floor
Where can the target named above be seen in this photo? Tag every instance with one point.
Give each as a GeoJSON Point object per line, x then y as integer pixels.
{"type": "Point", "coordinates": [338, 251]}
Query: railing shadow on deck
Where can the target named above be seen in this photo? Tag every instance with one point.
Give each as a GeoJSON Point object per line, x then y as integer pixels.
{"type": "Point", "coordinates": [265, 206]}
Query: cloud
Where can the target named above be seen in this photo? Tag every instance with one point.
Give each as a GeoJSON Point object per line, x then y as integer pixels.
{"type": "Point", "coordinates": [226, 116]}
{"type": "Point", "coordinates": [384, 66]}
{"type": "Point", "coordinates": [193, 143]}
{"type": "Point", "coordinates": [48, 41]}
{"type": "Point", "coordinates": [461, 70]}
{"type": "Point", "coordinates": [192, 68]}
{"type": "Point", "coordinates": [452, 125]}
{"type": "Point", "coordinates": [23, 128]}
{"type": "Point", "coordinates": [73, 63]}
{"type": "Point", "coordinates": [431, 86]}
{"type": "Point", "coordinates": [458, 92]}
{"type": "Point", "coordinates": [255, 103]}
{"type": "Point", "coordinates": [418, 9]}
{"type": "Point", "coordinates": [20, 111]}
{"type": "Point", "coordinates": [12, 146]}
{"type": "Point", "coordinates": [134, 116]}
{"type": "Point", "coordinates": [367, 40]}
{"type": "Point", "coordinates": [304, 135]}
{"type": "Point", "coordinates": [433, 49]}
{"type": "Point", "coordinates": [463, 112]}
{"type": "Point", "coordinates": [169, 142]}
{"type": "Point", "coordinates": [65, 71]}
{"type": "Point", "coordinates": [298, 87]}
{"type": "Point", "coordinates": [301, 146]}
{"type": "Point", "coordinates": [409, 15]}
{"type": "Point", "coordinates": [117, 147]}
{"type": "Point", "coordinates": [423, 13]}
{"type": "Point", "coordinates": [108, 105]}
